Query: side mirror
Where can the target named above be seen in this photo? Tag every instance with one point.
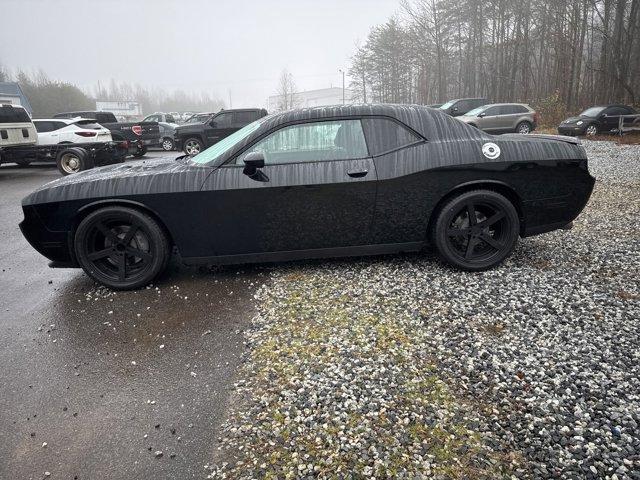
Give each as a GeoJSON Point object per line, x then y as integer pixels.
{"type": "Point", "coordinates": [254, 160]}
{"type": "Point", "coordinates": [212, 123]}
{"type": "Point", "coordinates": [480, 115]}
{"type": "Point", "coordinates": [454, 109]}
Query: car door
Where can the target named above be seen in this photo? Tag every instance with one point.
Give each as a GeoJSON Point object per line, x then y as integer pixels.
{"type": "Point", "coordinates": [220, 126]}
{"type": "Point", "coordinates": [316, 191]}
{"type": "Point", "coordinates": [507, 117]}
{"type": "Point", "coordinates": [611, 118]}
{"type": "Point", "coordinates": [46, 133]}
{"type": "Point", "coordinates": [490, 122]}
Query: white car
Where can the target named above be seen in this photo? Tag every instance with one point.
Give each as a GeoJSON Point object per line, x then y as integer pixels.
{"type": "Point", "coordinates": [52, 131]}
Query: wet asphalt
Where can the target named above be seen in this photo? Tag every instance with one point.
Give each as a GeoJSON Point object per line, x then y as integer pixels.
{"type": "Point", "coordinates": [107, 379]}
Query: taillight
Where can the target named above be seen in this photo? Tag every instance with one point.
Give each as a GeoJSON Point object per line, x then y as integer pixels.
{"type": "Point", "coordinates": [137, 129]}
{"type": "Point", "coordinates": [86, 134]}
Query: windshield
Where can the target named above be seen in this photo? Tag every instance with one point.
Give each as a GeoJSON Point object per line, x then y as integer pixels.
{"type": "Point", "coordinates": [197, 119]}
{"type": "Point", "coordinates": [224, 145]}
{"type": "Point", "coordinates": [592, 112]}
{"type": "Point", "coordinates": [447, 105]}
{"type": "Point", "coordinates": [476, 111]}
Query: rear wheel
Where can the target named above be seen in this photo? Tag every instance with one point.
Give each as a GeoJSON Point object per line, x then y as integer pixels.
{"type": "Point", "coordinates": [121, 247]}
{"type": "Point", "coordinates": [523, 128]}
{"type": "Point", "coordinates": [476, 230]}
{"type": "Point", "coordinates": [73, 160]}
{"type": "Point", "coordinates": [193, 146]}
{"type": "Point", "coordinates": [141, 152]}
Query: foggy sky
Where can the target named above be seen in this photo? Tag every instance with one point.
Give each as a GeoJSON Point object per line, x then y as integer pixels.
{"type": "Point", "coordinates": [221, 46]}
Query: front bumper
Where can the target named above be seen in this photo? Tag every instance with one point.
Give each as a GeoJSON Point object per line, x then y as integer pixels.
{"type": "Point", "coordinates": [571, 129]}
{"type": "Point", "coordinates": [53, 245]}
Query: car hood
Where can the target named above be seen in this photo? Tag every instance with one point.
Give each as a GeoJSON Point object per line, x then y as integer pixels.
{"type": "Point", "coordinates": [575, 119]}
{"type": "Point", "coordinates": [141, 177]}
{"type": "Point", "coordinates": [191, 127]}
{"type": "Point", "coordinates": [466, 118]}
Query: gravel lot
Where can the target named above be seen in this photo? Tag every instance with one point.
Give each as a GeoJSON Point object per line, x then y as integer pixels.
{"type": "Point", "coordinates": [400, 367]}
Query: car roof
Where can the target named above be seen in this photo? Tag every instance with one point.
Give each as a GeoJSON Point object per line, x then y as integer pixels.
{"type": "Point", "coordinates": [68, 121]}
{"type": "Point", "coordinates": [505, 103]}
{"type": "Point", "coordinates": [427, 122]}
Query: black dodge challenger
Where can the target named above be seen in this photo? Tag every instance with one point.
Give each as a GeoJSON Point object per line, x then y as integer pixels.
{"type": "Point", "coordinates": [318, 182]}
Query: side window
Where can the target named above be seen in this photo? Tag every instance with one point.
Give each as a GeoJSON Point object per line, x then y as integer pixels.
{"type": "Point", "coordinates": [313, 142]}
{"type": "Point", "coordinates": [58, 125]}
{"type": "Point", "coordinates": [463, 106]}
{"type": "Point", "coordinates": [489, 112]}
{"type": "Point", "coordinates": [224, 120]}
{"type": "Point", "coordinates": [616, 111]}
{"type": "Point", "coordinates": [243, 118]}
{"type": "Point", "coordinates": [170, 119]}
{"type": "Point", "coordinates": [384, 135]}
{"type": "Point", "coordinates": [43, 127]}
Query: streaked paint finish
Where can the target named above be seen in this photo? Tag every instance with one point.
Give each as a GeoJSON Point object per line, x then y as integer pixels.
{"type": "Point", "coordinates": [217, 210]}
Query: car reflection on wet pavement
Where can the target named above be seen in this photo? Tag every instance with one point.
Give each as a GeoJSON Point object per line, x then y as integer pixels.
{"type": "Point", "coordinates": [95, 383]}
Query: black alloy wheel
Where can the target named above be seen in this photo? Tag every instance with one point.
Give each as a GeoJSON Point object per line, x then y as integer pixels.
{"type": "Point", "coordinates": [121, 247]}
{"type": "Point", "coordinates": [476, 230]}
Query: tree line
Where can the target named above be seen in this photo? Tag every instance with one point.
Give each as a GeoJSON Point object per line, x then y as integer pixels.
{"type": "Point", "coordinates": [48, 96]}
{"type": "Point", "coordinates": [560, 55]}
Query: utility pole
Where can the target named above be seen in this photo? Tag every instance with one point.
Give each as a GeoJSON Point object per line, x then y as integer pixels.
{"type": "Point", "coordinates": [342, 72]}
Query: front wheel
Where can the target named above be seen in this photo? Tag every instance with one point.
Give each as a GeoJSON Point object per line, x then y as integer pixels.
{"type": "Point", "coordinates": [193, 146]}
{"type": "Point", "coordinates": [591, 130]}
{"type": "Point", "coordinates": [476, 230]}
{"type": "Point", "coordinates": [167, 144]}
{"type": "Point", "coordinates": [523, 128]}
{"type": "Point", "coordinates": [121, 247]}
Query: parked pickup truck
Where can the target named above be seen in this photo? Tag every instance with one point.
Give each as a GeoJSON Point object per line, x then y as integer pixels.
{"type": "Point", "coordinates": [139, 134]}
{"type": "Point", "coordinates": [192, 138]}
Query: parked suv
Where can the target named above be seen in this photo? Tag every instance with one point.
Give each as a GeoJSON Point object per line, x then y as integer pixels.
{"type": "Point", "coordinates": [502, 118]}
{"type": "Point", "coordinates": [599, 119]}
{"type": "Point", "coordinates": [195, 137]}
{"type": "Point", "coordinates": [16, 127]}
{"type": "Point", "coordinates": [139, 134]}
{"type": "Point", "coordinates": [460, 106]}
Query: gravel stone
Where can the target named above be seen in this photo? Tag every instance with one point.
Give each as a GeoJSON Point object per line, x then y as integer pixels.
{"type": "Point", "coordinates": [401, 367]}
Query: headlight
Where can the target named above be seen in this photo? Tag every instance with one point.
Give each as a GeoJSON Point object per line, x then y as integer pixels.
{"type": "Point", "coordinates": [579, 122]}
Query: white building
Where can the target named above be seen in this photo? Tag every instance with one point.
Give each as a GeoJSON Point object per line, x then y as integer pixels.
{"type": "Point", "coordinates": [313, 98]}
{"type": "Point", "coordinates": [122, 110]}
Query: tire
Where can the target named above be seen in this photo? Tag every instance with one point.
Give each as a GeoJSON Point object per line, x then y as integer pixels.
{"type": "Point", "coordinates": [73, 160]}
{"type": "Point", "coordinates": [113, 256]}
{"type": "Point", "coordinates": [524, 128]}
{"type": "Point", "coordinates": [141, 152]}
{"type": "Point", "coordinates": [22, 162]}
{"type": "Point", "coordinates": [591, 130]}
{"type": "Point", "coordinates": [192, 146]}
{"type": "Point", "coordinates": [478, 245]}
{"type": "Point", "coordinates": [167, 144]}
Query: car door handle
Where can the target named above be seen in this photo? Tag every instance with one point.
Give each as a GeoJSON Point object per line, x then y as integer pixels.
{"type": "Point", "coordinates": [357, 173]}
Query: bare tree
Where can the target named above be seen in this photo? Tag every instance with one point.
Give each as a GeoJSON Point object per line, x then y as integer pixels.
{"type": "Point", "coordinates": [287, 94]}
{"type": "Point", "coordinates": [564, 54]}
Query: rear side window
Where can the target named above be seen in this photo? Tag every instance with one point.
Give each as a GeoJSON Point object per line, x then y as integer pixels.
{"type": "Point", "coordinates": [10, 114]}
{"type": "Point", "coordinates": [384, 135]}
{"type": "Point", "coordinates": [513, 109]}
{"type": "Point", "coordinates": [43, 127]}
{"type": "Point", "coordinates": [244, 118]}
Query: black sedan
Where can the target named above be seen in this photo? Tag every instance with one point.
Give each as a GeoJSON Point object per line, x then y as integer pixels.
{"type": "Point", "coordinates": [320, 182]}
{"type": "Point", "coordinates": [599, 119]}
